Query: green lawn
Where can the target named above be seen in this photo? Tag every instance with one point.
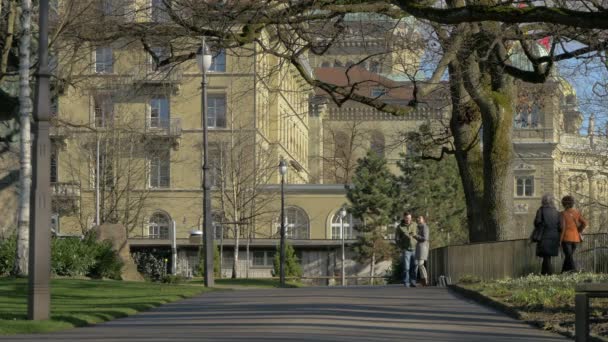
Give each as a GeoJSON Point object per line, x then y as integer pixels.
{"type": "Point", "coordinates": [81, 302]}
{"type": "Point", "coordinates": [545, 300]}
{"type": "Point", "coordinates": [251, 282]}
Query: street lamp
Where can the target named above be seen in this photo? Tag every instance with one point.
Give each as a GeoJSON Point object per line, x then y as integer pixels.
{"type": "Point", "coordinates": [283, 172]}
{"type": "Point", "coordinates": [39, 266]}
{"type": "Point", "coordinates": [342, 216]}
{"type": "Point", "coordinates": [204, 59]}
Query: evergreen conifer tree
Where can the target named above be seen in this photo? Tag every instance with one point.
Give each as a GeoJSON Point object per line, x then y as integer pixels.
{"type": "Point", "coordinates": [372, 197]}
{"type": "Point", "coordinates": [292, 265]}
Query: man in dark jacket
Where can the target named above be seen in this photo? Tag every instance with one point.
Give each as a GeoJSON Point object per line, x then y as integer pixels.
{"type": "Point", "coordinates": [404, 239]}
{"type": "Point", "coordinates": [548, 222]}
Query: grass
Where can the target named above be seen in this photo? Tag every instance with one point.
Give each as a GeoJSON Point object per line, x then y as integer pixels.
{"type": "Point", "coordinates": [250, 283]}
{"type": "Point", "coordinates": [545, 300]}
{"type": "Point", "coordinates": [79, 302]}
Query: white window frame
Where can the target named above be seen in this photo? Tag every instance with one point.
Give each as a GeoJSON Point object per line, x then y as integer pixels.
{"type": "Point", "coordinates": [293, 230]}
{"type": "Point", "coordinates": [213, 109]}
{"type": "Point", "coordinates": [156, 107]}
{"type": "Point", "coordinates": [159, 230]}
{"type": "Point", "coordinates": [156, 164]}
{"type": "Point", "coordinates": [103, 66]}
{"type": "Point", "coordinates": [221, 57]}
{"type": "Point", "coordinates": [336, 232]}
{"type": "Point", "coordinates": [527, 183]}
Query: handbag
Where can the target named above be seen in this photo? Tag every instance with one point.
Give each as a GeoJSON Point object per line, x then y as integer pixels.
{"type": "Point", "coordinates": [537, 233]}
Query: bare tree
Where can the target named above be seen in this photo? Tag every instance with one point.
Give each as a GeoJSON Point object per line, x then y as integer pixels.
{"type": "Point", "coordinates": [25, 155]}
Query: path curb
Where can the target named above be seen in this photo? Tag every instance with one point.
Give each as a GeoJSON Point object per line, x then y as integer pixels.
{"type": "Point", "coordinates": [514, 313]}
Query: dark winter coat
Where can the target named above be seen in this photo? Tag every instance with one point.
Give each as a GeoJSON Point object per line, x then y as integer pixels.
{"type": "Point", "coordinates": [549, 219]}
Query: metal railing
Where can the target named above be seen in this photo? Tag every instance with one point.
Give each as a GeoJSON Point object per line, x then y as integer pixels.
{"type": "Point", "coordinates": [62, 189]}
{"type": "Point", "coordinates": [164, 127]}
{"type": "Point", "coordinates": [150, 73]}
{"type": "Point", "coordinates": [513, 258]}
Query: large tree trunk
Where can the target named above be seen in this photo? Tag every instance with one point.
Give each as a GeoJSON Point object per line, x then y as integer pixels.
{"type": "Point", "coordinates": [464, 124]}
{"type": "Point", "coordinates": [492, 91]}
{"type": "Point", "coordinates": [25, 158]}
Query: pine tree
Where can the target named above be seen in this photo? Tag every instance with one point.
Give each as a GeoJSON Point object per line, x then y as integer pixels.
{"type": "Point", "coordinates": [373, 201]}
{"type": "Point", "coordinates": [292, 265]}
{"type": "Point", "coordinates": [433, 189]}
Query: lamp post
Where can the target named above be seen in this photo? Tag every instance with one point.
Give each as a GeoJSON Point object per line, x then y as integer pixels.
{"type": "Point", "coordinates": [283, 172]}
{"type": "Point", "coordinates": [204, 59]}
{"type": "Point", "coordinates": [39, 299]}
{"type": "Point", "coordinates": [342, 216]}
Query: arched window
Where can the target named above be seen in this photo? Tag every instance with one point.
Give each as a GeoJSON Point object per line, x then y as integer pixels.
{"type": "Point", "coordinates": [325, 65]}
{"type": "Point", "coordinates": [377, 143]}
{"type": "Point", "coordinates": [158, 226]}
{"type": "Point", "coordinates": [374, 67]}
{"type": "Point", "coordinates": [349, 223]}
{"type": "Point", "coordinates": [341, 143]}
{"type": "Point", "coordinates": [297, 225]}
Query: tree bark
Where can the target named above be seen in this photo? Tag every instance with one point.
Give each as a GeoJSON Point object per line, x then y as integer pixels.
{"type": "Point", "coordinates": [465, 124]}
{"type": "Point", "coordinates": [25, 156]}
{"type": "Point", "coordinates": [492, 90]}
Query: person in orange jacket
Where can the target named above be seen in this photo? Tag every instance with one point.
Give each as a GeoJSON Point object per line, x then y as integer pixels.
{"type": "Point", "coordinates": [573, 225]}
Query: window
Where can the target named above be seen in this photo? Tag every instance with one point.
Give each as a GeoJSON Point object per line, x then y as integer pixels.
{"type": "Point", "coordinates": [106, 169]}
{"type": "Point", "coordinates": [297, 225]}
{"type": "Point", "coordinates": [379, 91]}
{"type": "Point", "coordinates": [218, 63]}
{"type": "Point", "coordinates": [160, 53]}
{"type": "Point", "coordinates": [55, 223]}
{"type": "Point", "coordinates": [159, 113]}
{"type": "Point", "coordinates": [218, 229]}
{"type": "Point", "coordinates": [160, 170]}
{"type": "Point", "coordinates": [263, 258]}
{"type": "Point", "coordinates": [377, 143]}
{"type": "Point", "coordinates": [215, 165]}
{"type": "Point", "coordinates": [216, 111]}
{"type": "Point", "coordinates": [374, 67]}
{"type": "Point", "coordinates": [104, 62]}
{"type": "Point", "coordinates": [525, 186]}
{"type": "Point", "coordinates": [349, 223]}
{"type": "Point", "coordinates": [104, 110]}
{"type": "Point", "coordinates": [160, 12]}
{"type": "Point", "coordinates": [158, 226]}
{"type": "Point", "coordinates": [54, 165]}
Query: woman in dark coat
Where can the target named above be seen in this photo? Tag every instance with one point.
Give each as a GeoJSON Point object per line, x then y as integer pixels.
{"type": "Point", "coordinates": [548, 220]}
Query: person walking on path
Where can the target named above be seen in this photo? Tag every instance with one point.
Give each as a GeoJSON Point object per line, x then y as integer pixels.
{"type": "Point", "coordinates": [547, 224]}
{"type": "Point", "coordinates": [404, 238]}
{"type": "Point", "coordinates": [573, 224]}
{"type": "Point", "coordinates": [422, 249]}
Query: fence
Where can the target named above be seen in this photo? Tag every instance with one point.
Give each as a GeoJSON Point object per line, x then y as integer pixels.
{"type": "Point", "coordinates": [513, 258]}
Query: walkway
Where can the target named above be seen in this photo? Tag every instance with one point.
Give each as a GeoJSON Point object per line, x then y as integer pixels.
{"type": "Point", "coordinates": [312, 314]}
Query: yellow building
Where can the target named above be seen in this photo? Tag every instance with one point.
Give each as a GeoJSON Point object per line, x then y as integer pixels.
{"type": "Point", "coordinates": [138, 126]}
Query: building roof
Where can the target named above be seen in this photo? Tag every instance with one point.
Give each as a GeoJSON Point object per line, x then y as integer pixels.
{"type": "Point", "coordinates": [365, 82]}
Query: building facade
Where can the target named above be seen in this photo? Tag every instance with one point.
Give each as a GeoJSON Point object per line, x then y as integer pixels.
{"type": "Point", "coordinates": [128, 147]}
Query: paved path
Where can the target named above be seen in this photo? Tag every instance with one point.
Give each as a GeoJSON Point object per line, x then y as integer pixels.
{"type": "Point", "coordinates": [312, 314]}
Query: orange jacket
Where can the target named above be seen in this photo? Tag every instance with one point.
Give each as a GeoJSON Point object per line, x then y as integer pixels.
{"type": "Point", "coordinates": [571, 220]}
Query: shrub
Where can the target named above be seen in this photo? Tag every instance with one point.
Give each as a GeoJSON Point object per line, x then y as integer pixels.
{"type": "Point", "coordinates": [200, 269]}
{"type": "Point", "coordinates": [8, 247]}
{"type": "Point", "coordinates": [86, 257]}
{"type": "Point", "coordinates": [469, 279]}
{"type": "Point", "coordinates": [395, 272]}
{"type": "Point", "coordinates": [292, 264]}
{"type": "Point", "coordinates": [151, 263]}
{"type": "Point", "coordinates": [172, 279]}
{"type": "Point", "coordinates": [107, 262]}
